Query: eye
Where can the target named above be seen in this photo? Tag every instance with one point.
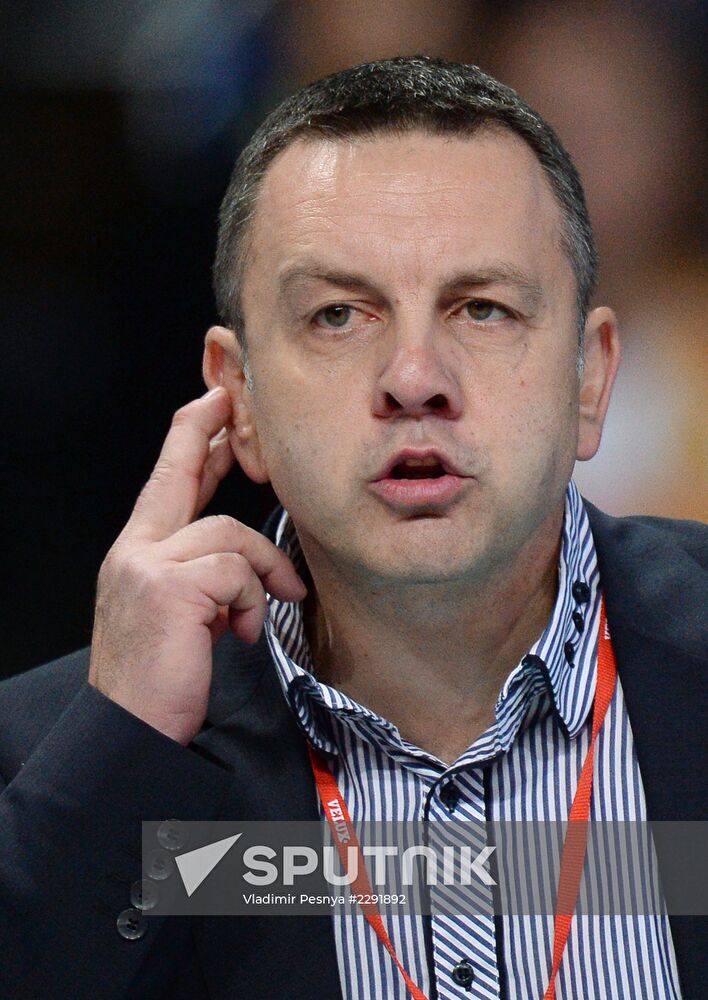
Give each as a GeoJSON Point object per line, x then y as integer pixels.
{"type": "Point", "coordinates": [334, 317]}
{"type": "Point", "coordinates": [482, 310]}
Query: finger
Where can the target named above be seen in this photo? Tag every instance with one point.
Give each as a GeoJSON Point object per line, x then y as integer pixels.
{"type": "Point", "coordinates": [221, 533]}
{"type": "Point", "coordinates": [226, 578]}
{"type": "Point", "coordinates": [219, 461]}
{"type": "Point", "coordinates": [169, 499]}
{"type": "Point", "coordinates": [237, 626]}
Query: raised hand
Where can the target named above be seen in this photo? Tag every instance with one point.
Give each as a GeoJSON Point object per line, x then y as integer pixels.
{"type": "Point", "coordinates": [171, 584]}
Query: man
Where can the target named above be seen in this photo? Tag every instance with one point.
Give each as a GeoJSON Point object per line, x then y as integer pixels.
{"type": "Point", "coordinates": [404, 271]}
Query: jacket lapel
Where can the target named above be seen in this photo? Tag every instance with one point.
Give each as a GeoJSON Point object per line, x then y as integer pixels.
{"type": "Point", "coordinates": [262, 956]}
{"type": "Point", "coordinates": [655, 598]}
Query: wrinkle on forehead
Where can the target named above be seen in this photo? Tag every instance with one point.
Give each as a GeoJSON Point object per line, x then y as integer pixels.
{"type": "Point", "coordinates": [417, 194]}
{"type": "Point", "coordinates": [325, 177]}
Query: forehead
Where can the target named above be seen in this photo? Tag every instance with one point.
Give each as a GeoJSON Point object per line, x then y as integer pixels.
{"type": "Point", "coordinates": [408, 204]}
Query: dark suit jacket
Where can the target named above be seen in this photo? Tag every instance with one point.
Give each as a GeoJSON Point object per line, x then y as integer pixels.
{"type": "Point", "coordinates": [79, 774]}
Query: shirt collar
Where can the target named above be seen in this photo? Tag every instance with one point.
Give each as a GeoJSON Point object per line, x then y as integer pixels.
{"type": "Point", "coordinates": [564, 656]}
{"type": "Point", "coordinates": [567, 648]}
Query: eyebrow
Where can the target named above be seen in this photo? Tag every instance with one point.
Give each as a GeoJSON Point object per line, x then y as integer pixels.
{"type": "Point", "coordinates": [499, 272]}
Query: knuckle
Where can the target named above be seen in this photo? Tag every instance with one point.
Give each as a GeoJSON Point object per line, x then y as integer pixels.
{"type": "Point", "coordinates": [112, 564]}
{"type": "Point", "coordinates": [230, 525]}
{"type": "Point", "coordinates": [162, 473]}
{"type": "Point", "coordinates": [127, 578]}
{"type": "Point", "coordinates": [226, 527]}
{"type": "Point", "coordinates": [135, 571]}
{"type": "Point", "coordinates": [109, 560]}
{"type": "Point", "coordinates": [183, 415]}
{"type": "Point", "coordinates": [159, 477]}
{"type": "Point", "coordinates": [232, 563]}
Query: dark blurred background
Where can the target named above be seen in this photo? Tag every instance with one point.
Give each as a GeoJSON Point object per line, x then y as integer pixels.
{"type": "Point", "coordinates": [120, 123]}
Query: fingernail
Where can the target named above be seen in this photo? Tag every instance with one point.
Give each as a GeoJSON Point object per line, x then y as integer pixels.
{"type": "Point", "coordinates": [213, 392]}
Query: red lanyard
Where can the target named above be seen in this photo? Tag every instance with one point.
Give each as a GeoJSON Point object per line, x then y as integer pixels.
{"type": "Point", "coordinates": [574, 845]}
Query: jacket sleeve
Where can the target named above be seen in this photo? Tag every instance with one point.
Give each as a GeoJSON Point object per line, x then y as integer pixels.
{"type": "Point", "coordinates": [70, 849]}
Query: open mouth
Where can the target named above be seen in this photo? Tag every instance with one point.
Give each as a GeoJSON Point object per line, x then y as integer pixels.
{"type": "Point", "coordinates": [417, 470]}
{"type": "Point", "coordinates": [417, 481]}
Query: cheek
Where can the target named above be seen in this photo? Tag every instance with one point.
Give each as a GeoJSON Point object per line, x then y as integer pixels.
{"type": "Point", "coordinates": [308, 439]}
{"type": "Point", "coordinates": [534, 430]}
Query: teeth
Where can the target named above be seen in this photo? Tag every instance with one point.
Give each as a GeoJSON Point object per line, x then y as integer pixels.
{"type": "Point", "coordinates": [414, 462]}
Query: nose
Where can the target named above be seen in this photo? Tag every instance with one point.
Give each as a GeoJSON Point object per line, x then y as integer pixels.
{"type": "Point", "coordinates": [416, 383]}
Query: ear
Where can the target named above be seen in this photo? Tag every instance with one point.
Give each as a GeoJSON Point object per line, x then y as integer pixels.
{"type": "Point", "coordinates": [602, 358]}
{"type": "Point", "coordinates": [223, 364]}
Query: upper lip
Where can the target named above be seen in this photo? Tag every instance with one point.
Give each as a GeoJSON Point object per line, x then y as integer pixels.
{"type": "Point", "coordinates": [414, 453]}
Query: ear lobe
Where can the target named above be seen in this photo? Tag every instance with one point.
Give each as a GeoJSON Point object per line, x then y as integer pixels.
{"type": "Point", "coordinates": [246, 446]}
{"type": "Point", "coordinates": [602, 357]}
{"type": "Point", "coordinates": [222, 364]}
{"type": "Point", "coordinates": [244, 436]}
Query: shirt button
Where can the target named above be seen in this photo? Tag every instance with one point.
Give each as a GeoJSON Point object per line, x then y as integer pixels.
{"type": "Point", "coordinates": [463, 974]}
{"type": "Point", "coordinates": [144, 894]}
{"type": "Point", "coordinates": [450, 795]}
{"type": "Point", "coordinates": [159, 865]}
{"type": "Point", "coordinates": [569, 650]}
{"type": "Point", "coordinates": [131, 924]}
{"type": "Point", "coordinates": [172, 834]}
{"type": "Point", "coordinates": [578, 620]}
{"type": "Point", "coordinates": [581, 592]}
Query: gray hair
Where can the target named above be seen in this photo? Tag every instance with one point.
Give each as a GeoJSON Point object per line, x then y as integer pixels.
{"type": "Point", "coordinates": [396, 96]}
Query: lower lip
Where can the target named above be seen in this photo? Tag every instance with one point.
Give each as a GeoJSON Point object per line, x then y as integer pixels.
{"type": "Point", "coordinates": [419, 492]}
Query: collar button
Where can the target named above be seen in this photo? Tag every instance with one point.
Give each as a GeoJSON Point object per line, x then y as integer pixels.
{"type": "Point", "coordinates": [450, 796]}
{"type": "Point", "coordinates": [581, 592]}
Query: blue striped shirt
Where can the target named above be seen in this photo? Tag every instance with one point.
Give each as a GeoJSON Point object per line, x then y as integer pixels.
{"type": "Point", "coordinates": [524, 766]}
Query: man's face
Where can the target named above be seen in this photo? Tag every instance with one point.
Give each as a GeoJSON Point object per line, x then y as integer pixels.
{"type": "Point", "coordinates": [410, 292]}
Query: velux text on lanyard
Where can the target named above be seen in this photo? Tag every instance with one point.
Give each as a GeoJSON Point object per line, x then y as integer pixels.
{"type": "Point", "coordinates": [574, 845]}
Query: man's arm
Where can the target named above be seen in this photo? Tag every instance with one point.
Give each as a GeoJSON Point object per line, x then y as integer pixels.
{"type": "Point", "coordinates": [119, 753]}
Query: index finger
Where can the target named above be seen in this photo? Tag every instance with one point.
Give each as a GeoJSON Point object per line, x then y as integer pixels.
{"type": "Point", "coordinates": [170, 498]}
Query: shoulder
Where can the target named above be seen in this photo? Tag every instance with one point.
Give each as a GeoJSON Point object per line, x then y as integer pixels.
{"type": "Point", "coordinates": [638, 538]}
{"type": "Point", "coordinates": [654, 574]}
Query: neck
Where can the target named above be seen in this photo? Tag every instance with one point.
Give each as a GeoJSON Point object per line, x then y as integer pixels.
{"type": "Point", "coordinates": [431, 659]}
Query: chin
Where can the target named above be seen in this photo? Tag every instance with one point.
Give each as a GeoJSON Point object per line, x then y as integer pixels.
{"type": "Point", "coordinates": [425, 563]}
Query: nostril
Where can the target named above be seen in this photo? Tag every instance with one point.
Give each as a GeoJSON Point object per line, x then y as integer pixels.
{"type": "Point", "coordinates": [412, 404]}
